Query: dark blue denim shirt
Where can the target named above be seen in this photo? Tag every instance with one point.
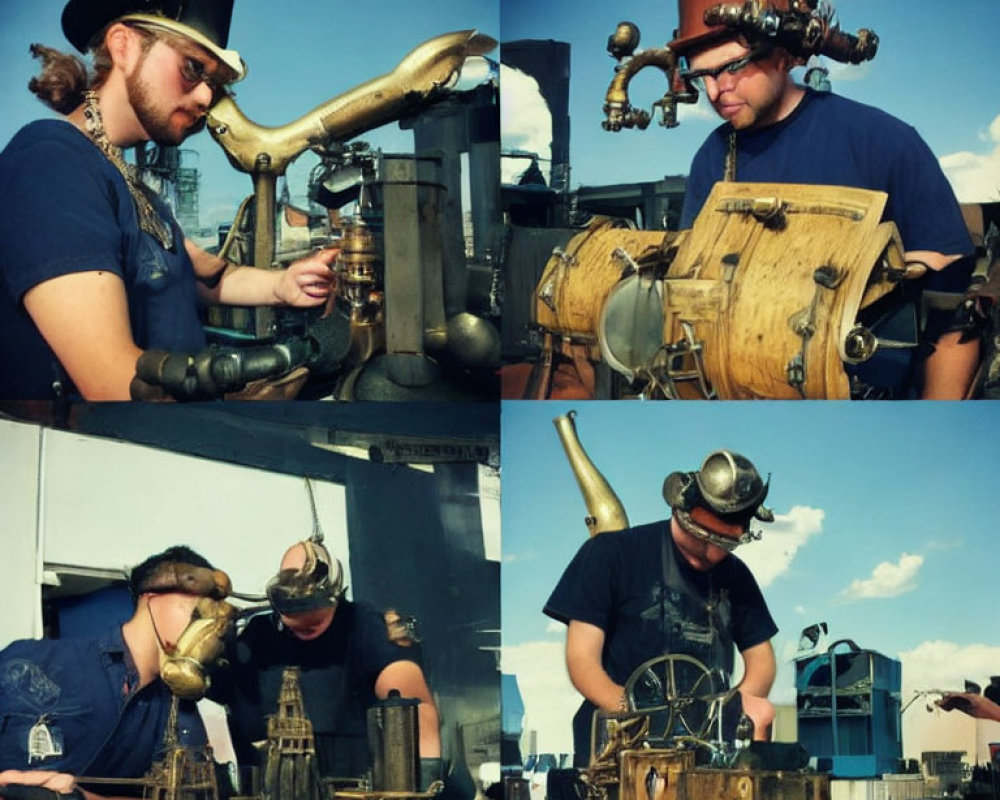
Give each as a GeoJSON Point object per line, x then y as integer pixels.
{"type": "Point", "coordinates": [66, 209]}
{"type": "Point", "coordinates": [79, 698]}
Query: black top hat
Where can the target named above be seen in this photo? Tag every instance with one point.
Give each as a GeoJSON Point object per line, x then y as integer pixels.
{"type": "Point", "coordinates": [205, 22]}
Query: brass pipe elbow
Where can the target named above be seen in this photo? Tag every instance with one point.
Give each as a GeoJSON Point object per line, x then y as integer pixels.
{"type": "Point", "coordinates": [617, 105]}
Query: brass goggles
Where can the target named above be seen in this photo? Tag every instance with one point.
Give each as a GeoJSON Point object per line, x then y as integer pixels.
{"type": "Point", "coordinates": [696, 77]}
{"type": "Point", "coordinates": [727, 543]}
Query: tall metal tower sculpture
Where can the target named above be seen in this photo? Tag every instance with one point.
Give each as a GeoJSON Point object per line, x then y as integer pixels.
{"type": "Point", "coordinates": [290, 772]}
{"type": "Point", "coordinates": [182, 773]}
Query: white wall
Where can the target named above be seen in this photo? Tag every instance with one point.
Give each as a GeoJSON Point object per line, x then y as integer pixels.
{"type": "Point", "coordinates": [19, 568]}
{"type": "Point", "coordinates": [947, 730]}
{"type": "Point", "coordinates": [108, 504]}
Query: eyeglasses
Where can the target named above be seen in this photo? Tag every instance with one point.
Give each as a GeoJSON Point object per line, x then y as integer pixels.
{"type": "Point", "coordinates": [697, 76]}
{"type": "Point", "coordinates": [193, 74]}
{"type": "Point", "coordinates": [192, 68]}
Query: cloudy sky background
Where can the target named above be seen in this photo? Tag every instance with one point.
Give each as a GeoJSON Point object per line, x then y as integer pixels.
{"type": "Point", "coordinates": [883, 530]}
{"type": "Point", "coordinates": [932, 70]}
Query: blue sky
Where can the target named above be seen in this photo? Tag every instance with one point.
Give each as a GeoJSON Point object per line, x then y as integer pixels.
{"type": "Point", "coordinates": [300, 53]}
{"type": "Point", "coordinates": [315, 49]}
{"type": "Point", "coordinates": [932, 70]}
{"type": "Point", "coordinates": [883, 529]}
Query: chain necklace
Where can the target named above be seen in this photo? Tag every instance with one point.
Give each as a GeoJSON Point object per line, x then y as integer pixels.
{"type": "Point", "coordinates": [729, 171]}
{"type": "Point", "coordinates": [149, 220]}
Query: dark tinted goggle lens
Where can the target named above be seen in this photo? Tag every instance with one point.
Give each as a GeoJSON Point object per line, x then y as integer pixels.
{"type": "Point", "coordinates": [697, 76]}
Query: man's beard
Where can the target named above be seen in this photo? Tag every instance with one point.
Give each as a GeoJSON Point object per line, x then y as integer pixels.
{"type": "Point", "coordinates": [155, 121]}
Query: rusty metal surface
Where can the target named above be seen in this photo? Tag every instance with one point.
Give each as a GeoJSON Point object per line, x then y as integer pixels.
{"type": "Point", "coordinates": [659, 770]}
{"type": "Point", "coordinates": [702, 784]}
{"type": "Point", "coordinates": [746, 280]}
{"type": "Point", "coordinates": [577, 280]}
{"type": "Point", "coordinates": [657, 774]}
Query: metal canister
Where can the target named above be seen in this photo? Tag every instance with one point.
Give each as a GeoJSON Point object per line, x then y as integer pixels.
{"type": "Point", "coordinates": [393, 741]}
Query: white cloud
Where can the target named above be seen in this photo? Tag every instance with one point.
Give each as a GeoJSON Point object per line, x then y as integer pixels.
{"type": "Point", "coordinates": [886, 580]}
{"type": "Point", "coordinates": [549, 698]}
{"type": "Point", "coordinates": [772, 556]}
{"type": "Point", "coordinates": [525, 123]}
{"type": "Point", "coordinates": [555, 627]}
{"type": "Point", "coordinates": [975, 177]}
{"type": "Point", "coordinates": [946, 665]}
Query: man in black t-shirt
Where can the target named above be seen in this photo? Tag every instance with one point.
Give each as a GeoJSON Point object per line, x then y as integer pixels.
{"type": "Point", "coordinates": [671, 587]}
{"type": "Point", "coordinates": [346, 665]}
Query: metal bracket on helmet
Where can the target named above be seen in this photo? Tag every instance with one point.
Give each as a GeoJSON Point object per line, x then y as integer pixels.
{"type": "Point", "coordinates": [729, 486]}
{"type": "Point", "coordinates": [806, 29]}
{"type": "Point", "coordinates": [319, 582]}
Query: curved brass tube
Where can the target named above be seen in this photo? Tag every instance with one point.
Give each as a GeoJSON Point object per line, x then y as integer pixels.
{"type": "Point", "coordinates": [617, 105]}
{"type": "Point", "coordinates": [606, 512]}
{"type": "Point", "coordinates": [618, 110]}
{"type": "Point", "coordinates": [415, 82]}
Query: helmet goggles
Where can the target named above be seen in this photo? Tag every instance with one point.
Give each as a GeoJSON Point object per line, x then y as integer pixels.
{"type": "Point", "coordinates": [318, 583]}
{"type": "Point", "coordinates": [721, 540]}
{"type": "Point", "coordinates": [729, 487]}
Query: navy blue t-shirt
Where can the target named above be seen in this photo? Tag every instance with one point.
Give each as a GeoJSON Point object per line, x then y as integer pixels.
{"type": "Point", "coordinates": [830, 140]}
{"type": "Point", "coordinates": [337, 676]}
{"type": "Point", "coordinates": [83, 693]}
{"type": "Point", "coordinates": [66, 209]}
{"type": "Point", "coordinates": [616, 581]}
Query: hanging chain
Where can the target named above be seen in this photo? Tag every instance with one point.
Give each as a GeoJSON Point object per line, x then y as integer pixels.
{"type": "Point", "coordinates": [149, 220]}
{"type": "Point", "coordinates": [729, 172]}
{"type": "Point", "coordinates": [317, 531]}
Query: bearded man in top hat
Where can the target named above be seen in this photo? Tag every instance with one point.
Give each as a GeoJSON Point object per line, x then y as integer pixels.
{"type": "Point", "coordinates": [776, 131]}
{"type": "Point", "coordinates": [93, 267]}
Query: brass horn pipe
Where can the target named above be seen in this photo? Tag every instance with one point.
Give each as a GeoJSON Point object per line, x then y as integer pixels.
{"type": "Point", "coordinates": [606, 512]}
{"type": "Point", "coordinates": [416, 81]}
{"type": "Point", "coordinates": [265, 152]}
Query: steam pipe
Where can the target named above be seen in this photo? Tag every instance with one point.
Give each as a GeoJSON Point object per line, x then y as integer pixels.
{"type": "Point", "coordinates": [606, 512]}
{"type": "Point", "coordinates": [420, 79]}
